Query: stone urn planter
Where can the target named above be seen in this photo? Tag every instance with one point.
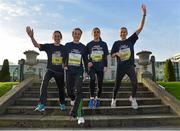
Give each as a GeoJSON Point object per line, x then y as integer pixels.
{"type": "Point", "coordinates": [144, 62]}
{"type": "Point", "coordinates": [31, 60]}
{"type": "Point", "coordinates": [31, 57]}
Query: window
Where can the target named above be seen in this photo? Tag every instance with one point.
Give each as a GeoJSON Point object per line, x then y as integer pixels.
{"type": "Point", "coordinates": [34, 69]}
{"type": "Point", "coordinates": [112, 62]}
{"type": "Point", "coordinates": [112, 75]}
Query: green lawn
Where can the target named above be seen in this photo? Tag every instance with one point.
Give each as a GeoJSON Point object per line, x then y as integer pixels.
{"type": "Point", "coordinates": [6, 86]}
{"type": "Point", "coordinates": [172, 87]}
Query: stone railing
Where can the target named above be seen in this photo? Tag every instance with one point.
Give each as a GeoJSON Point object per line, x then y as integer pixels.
{"type": "Point", "coordinates": [145, 77]}
{"type": "Point", "coordinates": [10, 97]}
{"type": "Point", "coordinates": [166, 98]}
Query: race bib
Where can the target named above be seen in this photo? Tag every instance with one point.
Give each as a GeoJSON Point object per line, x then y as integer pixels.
{"type": "Point", "coordinates": [96, 56]}
{"type": "Point", "coordinates": [74, 59]}
{"type": "Point", "coordinates": [125, 54]}
{"type": "Point", "coordinates": [56, 58]}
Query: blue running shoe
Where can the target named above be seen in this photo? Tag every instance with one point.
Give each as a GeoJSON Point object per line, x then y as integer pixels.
{"type": "Point", "coordinates": [97, 103]}
{"type": "Point", "coordinates": [62, 107]}
{"type": "Point", "coordinates": [91, 103]}
{"type": "Point", "coordinates": [40, 107]}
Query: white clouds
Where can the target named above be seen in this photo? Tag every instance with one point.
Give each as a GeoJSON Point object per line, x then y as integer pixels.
{"type": "Point", "coordinates": [13, 9]}
{"type": "Point", "coordinates": [34, 22]}
{"type": "Point", "coordinates": [37, 8]}
{"type": "Point", "coordinates": [160, 34]}
{"type": "Point", "coordinates": [69, 1]}
{"type": "Point", "coordinates": [7, 18]}
{"type": "Point", "coordinates": [54, 15]}
{"type": "Point", "coordinates": [19, 9]}
{"type": "Point", "coordinates": [13, 44]}
{"type": "Point", "coordinates": [19, 13]}
{"type": "Point", "coordinates": [21, 2]}
{"type": "Point", "coordinates": [12, 47]}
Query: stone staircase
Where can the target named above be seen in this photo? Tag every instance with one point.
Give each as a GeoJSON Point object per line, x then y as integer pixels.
{"type": "Point", "coordinates": [151, 112]}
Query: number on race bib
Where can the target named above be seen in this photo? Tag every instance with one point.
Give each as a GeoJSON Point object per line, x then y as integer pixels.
{"type": "Point", "coordinates": [125, 54]}
{"type": "Point", "coordinates": [74, 59]}
{"type": "Point", "coordinates": [56, 58]}
{"type": "Point", "coordinates": [96, 56]}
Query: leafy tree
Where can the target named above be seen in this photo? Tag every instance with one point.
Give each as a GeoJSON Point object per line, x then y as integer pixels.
{"type": "Point", "coordinates": [4, 73]}
{"type": "Point", "coordinates": [169, 71]}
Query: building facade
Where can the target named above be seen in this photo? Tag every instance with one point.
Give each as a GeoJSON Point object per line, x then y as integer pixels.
{"type": "Point", "coordinates": [176, 62]}
{"type": "Point", "coordinates": [40, 68]}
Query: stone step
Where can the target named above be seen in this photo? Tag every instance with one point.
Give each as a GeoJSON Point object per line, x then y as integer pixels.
{"type": "Point", "coordinates": [123, 110]}
{"type": "Point", "coordinates": [86, 89]}
{"type": "Point", "coordinates": [105, 84]}
{"type": "Point", "coordinates": [104, 102]}
{"type": "Point", "coordinates": [39, 121]}
{"type": "Point", "coordinates": [121, 94]}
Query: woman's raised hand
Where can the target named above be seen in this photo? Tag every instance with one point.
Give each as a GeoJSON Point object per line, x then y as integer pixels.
{"type": "Point", "coordinates": [29, 31]}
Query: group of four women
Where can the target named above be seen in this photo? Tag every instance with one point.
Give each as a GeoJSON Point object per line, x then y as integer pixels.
{"type": "Point", "coordinates": [74, 57]}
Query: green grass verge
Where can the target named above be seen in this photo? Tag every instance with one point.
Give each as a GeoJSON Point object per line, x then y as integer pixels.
{"type": "Point", "coordinates": [6, 86]}
{"type": "Point", "coordinates": [172, 87]}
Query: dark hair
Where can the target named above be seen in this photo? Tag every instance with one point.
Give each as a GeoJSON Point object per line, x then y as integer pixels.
{"type": "Point", "coordinates": [77, 29]}
{"type": "Point", "coordinates": [57, 31]}
{"type": "Point", "coordinates": [96, 28]}
{"type": "Point", "coordinates": [100, 38]}
{"type": "Point", "coordinates": [123, 28]}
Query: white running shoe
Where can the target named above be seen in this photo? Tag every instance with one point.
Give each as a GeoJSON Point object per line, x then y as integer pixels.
{"type": "Point", "coordinates": [72, 102]}
{"type": "Point", "coordinates": [133, 102]}
{"type": "Point", "coordinates": [81, 120]}
{"type": "Point", "coordinates": [113, 103]}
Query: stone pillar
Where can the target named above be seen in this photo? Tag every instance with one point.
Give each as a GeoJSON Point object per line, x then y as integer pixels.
{"type": "Point", "coordinates": [21, 69]}
{"type": "Point", "coordinates": [153, 68]}
{"type": "Point", "coordinates": [144, 62]}
{"type": "Point", "coordinates": [31, 60]}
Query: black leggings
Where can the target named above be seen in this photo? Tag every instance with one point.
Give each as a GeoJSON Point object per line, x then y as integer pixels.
{"type": "Point", "coordinates": [74, 90]}
{"type": "Point", "coordinates": [100, 76]}
{"type": "Point", "coordinates": [59, 78]}
{"type": "Point", "coordinates": [130, 71]}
